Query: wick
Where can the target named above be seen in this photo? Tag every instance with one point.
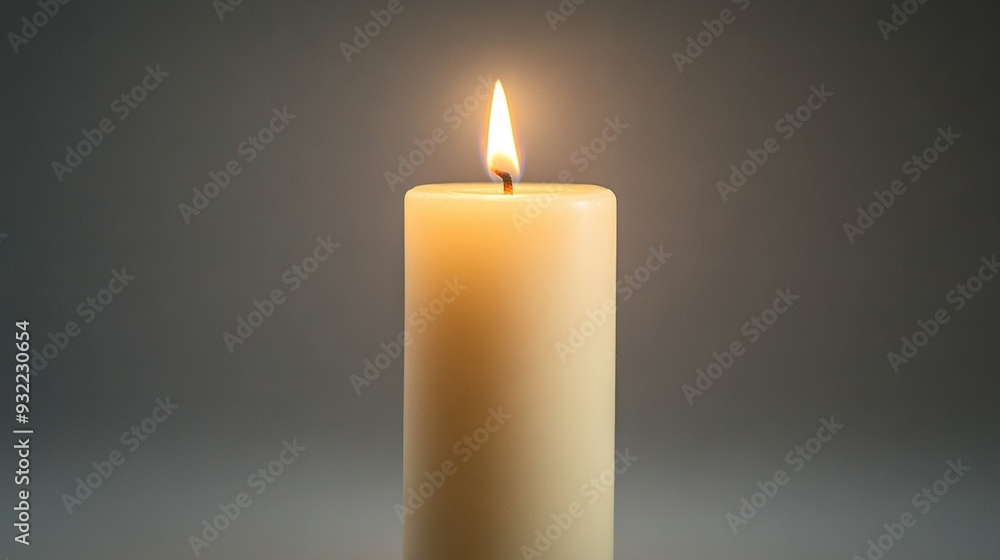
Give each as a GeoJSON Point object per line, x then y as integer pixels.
{"type": "Point", "coordinates": [508, 185]}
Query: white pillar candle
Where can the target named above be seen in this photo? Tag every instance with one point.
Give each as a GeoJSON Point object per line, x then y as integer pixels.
{"type": "Point", "coordinates": [509, 372]}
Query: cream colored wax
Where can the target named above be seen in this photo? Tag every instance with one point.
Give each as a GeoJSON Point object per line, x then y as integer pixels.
{"type": "Point", "coordinates": [509, 375]}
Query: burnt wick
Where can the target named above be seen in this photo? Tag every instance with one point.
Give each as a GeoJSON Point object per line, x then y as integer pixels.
{"type": "Point", "coordinates": [508, 184]}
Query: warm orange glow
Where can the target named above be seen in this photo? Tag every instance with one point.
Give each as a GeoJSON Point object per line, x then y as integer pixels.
{"type": "Point", "coordinates": [500, 150]}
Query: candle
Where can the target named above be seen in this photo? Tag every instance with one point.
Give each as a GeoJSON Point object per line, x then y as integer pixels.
{"type": "Point", "coordinates": [509, 373]}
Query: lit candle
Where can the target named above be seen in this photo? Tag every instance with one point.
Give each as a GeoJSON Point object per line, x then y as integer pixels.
{"type": "Point", "coordinates": [509, 371]}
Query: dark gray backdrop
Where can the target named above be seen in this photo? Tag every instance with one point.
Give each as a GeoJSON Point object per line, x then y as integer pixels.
{"type": "Point", "coordinates": [323, 175]}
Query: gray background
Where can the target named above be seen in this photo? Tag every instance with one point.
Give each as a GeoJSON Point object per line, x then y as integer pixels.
{"type": "Point", "coordinates": [324, 176]}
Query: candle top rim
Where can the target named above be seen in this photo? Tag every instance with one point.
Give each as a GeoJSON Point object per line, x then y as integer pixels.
{"type": "Point", "coordinates": [521, 190]}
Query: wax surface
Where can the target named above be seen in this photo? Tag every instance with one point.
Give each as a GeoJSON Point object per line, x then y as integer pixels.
{"type": "Point", "coordinates": [509, 417]}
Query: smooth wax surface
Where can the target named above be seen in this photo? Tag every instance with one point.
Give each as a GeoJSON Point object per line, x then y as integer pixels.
{"type": "Point", "coordinates": [500, 365]}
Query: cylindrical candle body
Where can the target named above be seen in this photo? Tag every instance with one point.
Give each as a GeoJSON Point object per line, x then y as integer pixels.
{"type": "Point", "coordinates": [509, 373]}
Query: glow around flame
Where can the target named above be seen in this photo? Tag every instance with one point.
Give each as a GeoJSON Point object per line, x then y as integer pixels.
{"type": "Point", "coordinates": [500, 150]}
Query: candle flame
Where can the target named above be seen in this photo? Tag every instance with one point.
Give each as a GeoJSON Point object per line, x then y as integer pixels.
{"type": "Point", "coordinates": [501, 153]}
